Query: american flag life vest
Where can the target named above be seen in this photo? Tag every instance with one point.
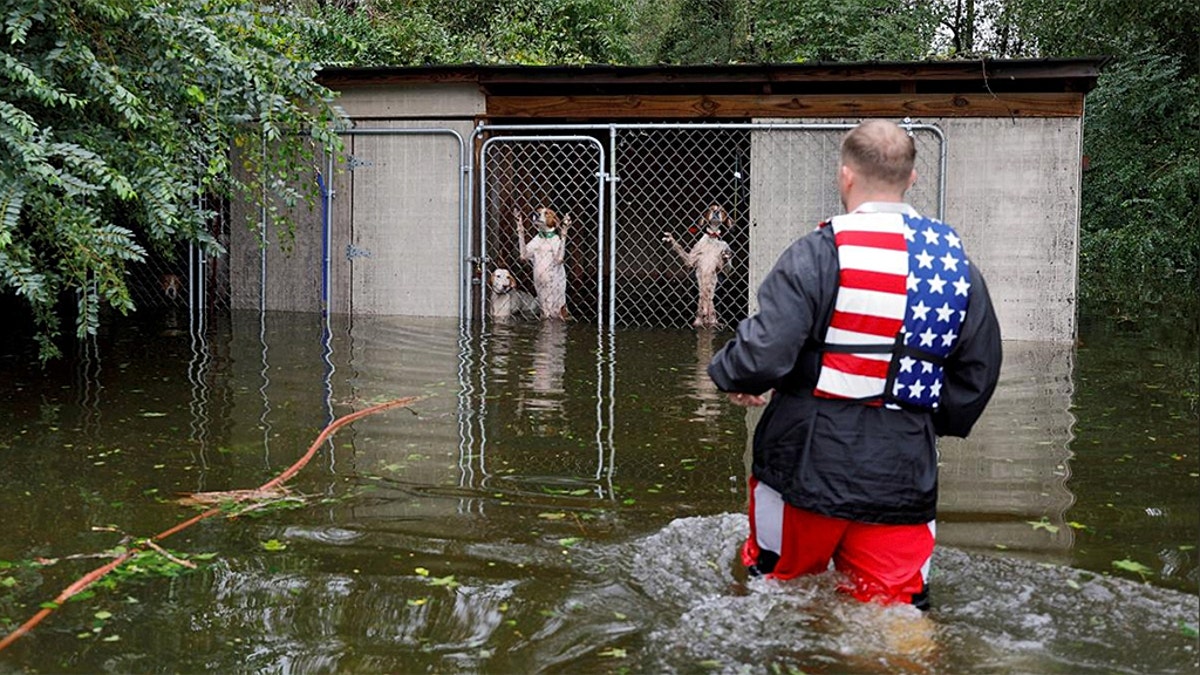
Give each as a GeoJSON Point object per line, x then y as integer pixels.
{"type": "Point", "coordinates": [903, 283]}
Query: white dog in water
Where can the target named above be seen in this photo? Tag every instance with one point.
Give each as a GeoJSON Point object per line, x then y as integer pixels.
{"type": "Point", "coordinates": [547, 250]}
{"type": "Point", "coordinates": [507, 301]}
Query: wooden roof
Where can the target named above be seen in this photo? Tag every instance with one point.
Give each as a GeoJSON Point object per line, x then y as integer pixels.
{"type": "Point", "coordinates": [960, 88]}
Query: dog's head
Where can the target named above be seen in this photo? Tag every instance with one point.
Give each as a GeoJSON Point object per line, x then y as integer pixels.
{"type": "Point", "coordinates": [712, 220]}
{"type": "Point", "coordinates": [501, 281]}
{"type": "Point", "coordinates": [545, 219]}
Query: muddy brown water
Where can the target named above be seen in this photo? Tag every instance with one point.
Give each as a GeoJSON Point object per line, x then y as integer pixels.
{"type": "Point", "coordinates": [564, 500]}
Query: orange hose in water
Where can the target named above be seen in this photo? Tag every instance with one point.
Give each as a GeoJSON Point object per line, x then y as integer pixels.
{"type": "Point", "coordinates": [96, 574]}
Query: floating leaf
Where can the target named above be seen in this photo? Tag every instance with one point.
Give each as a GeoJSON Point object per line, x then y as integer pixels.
{"type": "Point", "coordinates": [447, 581]}
{"type": "Point", "coordinates": [552, 516]}
{"type": "Point", "coordinates": [569, 541]}
{"type": "Point", "coordinates": [1077, 525]}
{"type": "Point", "coordinates": [417, 602]}
{"type": "Point", "coordinates": [1043, 524]}
{"type": "Point", "coordinates": [613, 652]}
{"type": "Point", "coordinates": [1188, 629]}
{"type": "Point", "coordinates": [1132, 566]}
{"type": "Point", "coordinates": [149, 413]}
{"type": "Point", "coordinates": [421, 571]}
{"type": "Point", "coordinates": [273, 545]}
{"type": "Point", "coordinates": [111, 638]}
{"type": "Point", "coordinates": [103, 615]}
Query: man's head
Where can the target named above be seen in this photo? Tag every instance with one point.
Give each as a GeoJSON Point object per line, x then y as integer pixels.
{"type": "Point", "coordinates": [877, 163]}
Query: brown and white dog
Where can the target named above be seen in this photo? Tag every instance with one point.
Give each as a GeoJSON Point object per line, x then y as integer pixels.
{"type": "Point", "coordinates": [507, 301]}
{"type": "Point", "coordinates": [708, 256]}
{"type": "Point", "coordinates": [546, 250]}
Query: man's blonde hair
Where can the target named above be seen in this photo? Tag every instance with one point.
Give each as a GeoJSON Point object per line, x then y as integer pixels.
{"type": "Point", "coordinates": [880, 151]}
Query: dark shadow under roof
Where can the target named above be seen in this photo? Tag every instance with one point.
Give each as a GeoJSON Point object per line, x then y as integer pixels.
{"type": "Point", "coordinates": [969, 76]}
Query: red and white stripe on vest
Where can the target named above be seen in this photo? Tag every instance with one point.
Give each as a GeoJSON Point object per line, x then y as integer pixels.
{"type": "Point", "coordinates": [903, 283]}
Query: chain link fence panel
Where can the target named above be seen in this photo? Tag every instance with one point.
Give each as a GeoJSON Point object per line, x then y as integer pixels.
{"type": "Point", "coordinates": [563, 174]}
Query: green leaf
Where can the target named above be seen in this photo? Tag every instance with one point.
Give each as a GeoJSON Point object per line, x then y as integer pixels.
{"type": "Point", "coordinates": [447, 581]}
{"type": "Point", "coordinates": [273, 545]}
{"type": "Point", "coordinates": [1043, 524]}
{"type": "Point", "coordinates": [1132, 566]}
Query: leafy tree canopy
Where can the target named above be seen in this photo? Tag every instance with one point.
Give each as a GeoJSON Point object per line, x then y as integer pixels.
{"type": "Point", "coordinates": [118, 116]}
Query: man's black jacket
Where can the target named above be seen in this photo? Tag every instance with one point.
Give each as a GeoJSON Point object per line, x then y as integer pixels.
{"type": "Point", "coordinates": [840, 458]}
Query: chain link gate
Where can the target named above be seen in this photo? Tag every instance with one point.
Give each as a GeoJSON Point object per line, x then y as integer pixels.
{"type": "Point", "coordinates": [668, 177]}
{"type": "Point", "coordinates": [519, 174]}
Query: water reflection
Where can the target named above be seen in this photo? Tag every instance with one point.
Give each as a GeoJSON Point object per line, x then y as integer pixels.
{"type": "Point", "coordinates": [1012, 471]}
{"type": "Point", "coordinates": [709, 400]}
{"type": "Point", "coordinates": [541, 385]}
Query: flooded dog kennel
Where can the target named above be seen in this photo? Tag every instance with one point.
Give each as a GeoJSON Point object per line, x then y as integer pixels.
{"type": "Point", "coordinates": [441, 165]}
{"type": "Point", "coordinates": [418, 209]}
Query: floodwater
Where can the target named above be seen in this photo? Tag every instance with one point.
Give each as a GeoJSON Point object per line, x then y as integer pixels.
{"type": "Point", "coordinates": [563, 501]}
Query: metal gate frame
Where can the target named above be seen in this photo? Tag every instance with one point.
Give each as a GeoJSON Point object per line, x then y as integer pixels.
{"type": "Point", "coordinates": [610, 174]}
{"type": "Point", "coordinates": [601, 175]}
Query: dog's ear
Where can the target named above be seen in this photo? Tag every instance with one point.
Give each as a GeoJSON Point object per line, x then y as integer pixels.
{"type": "Point", "coordinates": [551, 219]}
{"type": "Point", "coordinates": [512, 282]}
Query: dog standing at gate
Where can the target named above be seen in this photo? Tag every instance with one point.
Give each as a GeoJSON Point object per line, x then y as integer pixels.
{"type": "Point", "coordinates": [547, 251]}
{"type": "Point", "coordinates": [507, 301]}
{"type": "Point", "coordinates": [708, 257]}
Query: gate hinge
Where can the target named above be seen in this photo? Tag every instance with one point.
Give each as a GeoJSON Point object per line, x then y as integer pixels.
{"type": "Point", "coordinates": [353, 252]}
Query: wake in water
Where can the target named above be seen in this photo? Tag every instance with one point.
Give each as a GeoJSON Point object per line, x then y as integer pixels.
{"type": "Point", "coordinates": [990, 615]}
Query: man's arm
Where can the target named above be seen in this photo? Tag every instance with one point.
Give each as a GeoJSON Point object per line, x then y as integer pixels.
{"type": "Point", "coordinates": [973, 368]}
{"type": "Point", "coordinates": [768, 343]}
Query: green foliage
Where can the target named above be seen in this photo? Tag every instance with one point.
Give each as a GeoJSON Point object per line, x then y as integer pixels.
{"type": "Point", "coordinates": [418, 32]}
{"type": "Point", "coordinates": [1141, 233]}
{"type": "Point", "coordinates": [811, 30]}
{"type": "Point", "coordinates": [117, 118]}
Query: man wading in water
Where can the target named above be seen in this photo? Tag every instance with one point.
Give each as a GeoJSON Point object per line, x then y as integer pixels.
{"type": "Point", "coordinates": [877, 336]}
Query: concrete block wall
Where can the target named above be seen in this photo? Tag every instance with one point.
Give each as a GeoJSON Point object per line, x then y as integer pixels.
{"type": "Point", "coordinates": [395, 235]}
{"type": "Point", "coordinates": [1012, 191]}
{"type": "Point", "coordinates": [292, 257]}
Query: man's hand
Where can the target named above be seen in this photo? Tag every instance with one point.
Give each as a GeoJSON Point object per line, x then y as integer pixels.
{"type": "Point", "coordinates": [747, 400]}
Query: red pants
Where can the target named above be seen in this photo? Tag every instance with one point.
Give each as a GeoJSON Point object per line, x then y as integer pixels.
{"type": "Point", "coordinates": [888, 563]}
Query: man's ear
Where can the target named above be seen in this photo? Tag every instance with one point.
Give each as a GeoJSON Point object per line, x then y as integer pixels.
{"type": "Point", "coordinates": [845, 178]}
{"type": "Point", "coordinates": [912, 180]}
